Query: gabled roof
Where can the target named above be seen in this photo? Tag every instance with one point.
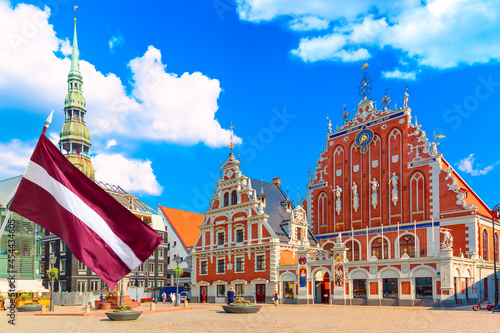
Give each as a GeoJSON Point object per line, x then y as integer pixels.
{"type": "Point", "coordinates": [274, 208]}
{"type": "Point", "coordinates": [129, 201]}
{"type": "Point", "coordinates": [185, 224]}
{"type": "Point", "coordinates": [8, 189]}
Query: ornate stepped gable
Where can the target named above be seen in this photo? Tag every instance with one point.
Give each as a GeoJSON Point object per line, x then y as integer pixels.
{"type": "Point", "coordinates": [380, 168]}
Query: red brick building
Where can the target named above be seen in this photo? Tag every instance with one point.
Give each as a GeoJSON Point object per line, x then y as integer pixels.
{"type": "Point", "coordinates": [251, 229]}
{"type": "Point", "coordinates": [382, 199]}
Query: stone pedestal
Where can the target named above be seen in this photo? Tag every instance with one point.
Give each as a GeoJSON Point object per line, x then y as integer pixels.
{"type": "Point", "coordinates": [447, 286]}
{"type": "Point", "coordinates": [112, 301]}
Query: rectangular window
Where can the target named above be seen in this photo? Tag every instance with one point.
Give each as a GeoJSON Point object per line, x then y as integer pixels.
{"type": "Point", "coordinates": [140, 268]}
{"type": "Point", "coordinates": [220, 238]}
{"type": "Point", "coordinates": [151, 284]}
{"type": "Point", "coordinates": [94, 285]}
{"type": "Point", "coordinates": [359, 288]}
{"type": "Point", "coordinates": [51, 247]}
{"type": "Point", "coordinates": [62, 285]}
{"type": "Point", "coordinates": [299, 233]}
{"type": "Point", "coordinates": [204, 267]}
{"type": "Point", "coordinates": [239, 265]}
{"type": "Point", "coordinates": [43, 249]}
{"type": "Point", "coordinates": [240, 290]}
{"type": "Point", "coordinates": [260, 263]}
{"type": "Point", "coordinates": [62, 246]}
{"type": "Point", "coordinates": [151, 267]}
{"type": "Point", "coordinates": [43, 267]}
{"type": "Point", "coordinates": [160, 253]}
{"type": "Point", "coordinates": [288, 289]}
{"type": "Point", "coordinates": [221, 290]}
{"type": "Point", "coordinates": [390, 288]}
{"type": "Point", "coordinates": [81, 266]}
{"type": "Point", "coordinates": [423, 287]}
{"type": "Point", "coordinates": [239, 235]}
{"type": "Point", "coordinates": [140, 283]}
{"type": "Point", "coordinates": [220, 266]}
{"type": "Point", "coordinates": [160, 283]}
{"type": "Point", "coordinates": [63, 265]}
{"type": "Point", "coordinates": [81, 285]}
{"type": "Point", "coordinates": [160, 268]}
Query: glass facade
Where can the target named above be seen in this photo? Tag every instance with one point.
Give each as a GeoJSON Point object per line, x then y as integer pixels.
{"type": "Point", "coordinates": [390, 288]}
{"type": "Point", "coordinates": [359, 288]}
{"type": "Point", "coordinates": [27, 250]}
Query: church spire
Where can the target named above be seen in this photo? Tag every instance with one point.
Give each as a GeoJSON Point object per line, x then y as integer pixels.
{"type": "Point", "coordinates": [74, 140]}
{"type": "Point", "coordinates": [75, 56]}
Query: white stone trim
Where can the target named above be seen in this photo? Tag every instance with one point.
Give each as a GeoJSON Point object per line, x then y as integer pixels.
{"type": "Point", "coordinates": [256, 254]}
{"type": "Point", "coordinates": [236, 257]}
{"type": "Point", "coordinates": [199, 266]}
{"type": "Point", "coordinates": [388, 246]}
{"type": "Point", "coordinates": [417, 244]}
{"type": "Point", "coordinates": [217, 265]}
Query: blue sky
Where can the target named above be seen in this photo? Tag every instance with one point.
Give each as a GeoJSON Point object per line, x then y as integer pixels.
{"type": "Point", "coordinates": [164, 81]}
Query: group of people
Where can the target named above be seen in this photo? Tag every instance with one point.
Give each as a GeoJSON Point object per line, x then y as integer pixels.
{"type": "Point", "coordinates": [170, 298]}
{"type": "Point", "coordinates": [231, 294]}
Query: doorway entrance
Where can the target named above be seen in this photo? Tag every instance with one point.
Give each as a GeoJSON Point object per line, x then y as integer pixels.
{"type": "Point", "coordinates": [260, 293]}
{"type": "Point", "coordinates": [203, 294]}
{"type": "Point", "coordinates": [322, 287]}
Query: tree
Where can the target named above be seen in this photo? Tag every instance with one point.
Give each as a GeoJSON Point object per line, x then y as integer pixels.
{"type": "Point", "coordinates": [178, 271]}
{"type": "Point", "coordinates": [56, 272]}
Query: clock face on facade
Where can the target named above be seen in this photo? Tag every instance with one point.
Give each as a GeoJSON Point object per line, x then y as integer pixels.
{"type": "Point", "coordinates": [363, 139]}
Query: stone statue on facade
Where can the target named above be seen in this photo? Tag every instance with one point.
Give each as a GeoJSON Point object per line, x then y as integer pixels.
{"type": "Point", "coordinates": [375, 186]}
{"type": "Point", "coordinates": [447, 238]}
{"type": "Point", "coordinates": [355, 198]}
{"type": "Point", "coordinates": [394, 192]}
{"type": "Point", "coordinates": [338, 202]}
{"type": "Point", "coordinates": [405, 100]}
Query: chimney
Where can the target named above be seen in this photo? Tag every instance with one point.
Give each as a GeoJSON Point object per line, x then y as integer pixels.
{"type": "Point", "coordinates": [277, 181]}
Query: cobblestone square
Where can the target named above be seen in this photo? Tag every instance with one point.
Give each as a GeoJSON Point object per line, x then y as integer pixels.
{"type": "Point", "coordinates": [284, 318]}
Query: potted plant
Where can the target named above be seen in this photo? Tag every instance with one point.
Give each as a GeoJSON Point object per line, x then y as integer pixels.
{"type": "Point", "coordinates": [44, 300]}
{"type": "Point", "coordinates": [30, 306]}
{"type": "Point", "coordinates": [23, 299]}
{"type": "Point", "coordinates": [241, 305]}
{"type": "Point", "coordinates": [123, 313]}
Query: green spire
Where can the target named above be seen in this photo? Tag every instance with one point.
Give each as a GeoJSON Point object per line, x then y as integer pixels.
{"type": "Point", "coordinates": [75, 57]}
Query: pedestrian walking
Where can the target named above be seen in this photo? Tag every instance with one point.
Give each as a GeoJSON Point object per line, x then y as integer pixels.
{"type": "Point", "coordinates": [163, 297]}
{"type": "Point", "coordinates": [173, 298]}
{"type": "Point", "coordinates": [275, 297]}
{"type": "Point", "coordinates": [230, 296]}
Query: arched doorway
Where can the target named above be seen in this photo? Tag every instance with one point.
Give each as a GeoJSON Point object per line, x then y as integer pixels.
{"type": "Point", "coordinates": [322, 287]}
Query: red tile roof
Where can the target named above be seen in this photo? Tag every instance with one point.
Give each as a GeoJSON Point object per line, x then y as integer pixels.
{"type": "Point", "coordinates": [185, 224]}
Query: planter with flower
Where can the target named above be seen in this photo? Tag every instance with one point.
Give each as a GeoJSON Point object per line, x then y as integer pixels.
{"type": "Point", "coordinates": [23, 299]}
{"type": "Point", "coordinates": [123, 313]}
{"type": "Point", "coordinates": [44, 300]}
{"type": "Point", "coordinates": [241, 306]}
{"type": "Point", "coordinates": [29, 307]}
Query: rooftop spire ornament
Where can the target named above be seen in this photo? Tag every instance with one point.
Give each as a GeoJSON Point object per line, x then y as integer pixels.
{"type": "Point", "coordinates": [386, 100]}
{"type": "Point", "coordinates": [345, 115]}
{"type": "Point", "coordinates": [365, 86]}
{"type": "Point", "coordinates": [231, 144]}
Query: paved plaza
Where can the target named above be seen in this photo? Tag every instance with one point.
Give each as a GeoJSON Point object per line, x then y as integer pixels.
{"type": "Point", "coordinates": [284, 318]}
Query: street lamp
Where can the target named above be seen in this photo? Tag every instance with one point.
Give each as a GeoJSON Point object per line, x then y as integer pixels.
{"type": "Point", "coordinates": [495, 214]}
{"type": "Point", "coordinates": [177, 300]}
{"type": "Point", "coordinates": [52, 260]}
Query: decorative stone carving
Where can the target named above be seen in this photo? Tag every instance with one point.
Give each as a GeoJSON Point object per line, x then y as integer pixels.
{"type": "Point", "coordinates": [405, 268]}
{"type": "Point", "coordinates": [447, 238]}
{"type": "Point", "coordinates": [394, 192]}
{"type": "Point", "coordinates": [405, 100]}
{"type": "Point", "coordinates": [373, 269]}
{"type": "Point", "coordinates": [355, 198]}
{"type": "Point", "coordinates": [375, 186]}
{"type": "Point", "coordinates": [338, 202]}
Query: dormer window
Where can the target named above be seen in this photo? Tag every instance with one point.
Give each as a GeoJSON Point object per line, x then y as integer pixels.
{"type": "Point", "coordinates": [299, 233]}
{"type": "Point", "coordinates": [226, 199]}
{"type": "Point", "coordinates": [234, 198]}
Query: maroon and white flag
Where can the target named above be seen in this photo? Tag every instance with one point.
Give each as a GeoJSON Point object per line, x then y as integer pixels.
{"type": "Point", "coordinates": [98, 230]}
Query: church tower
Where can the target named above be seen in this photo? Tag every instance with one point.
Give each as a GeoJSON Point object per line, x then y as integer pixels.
{"type": "Point", "coordinates": [74, 140]}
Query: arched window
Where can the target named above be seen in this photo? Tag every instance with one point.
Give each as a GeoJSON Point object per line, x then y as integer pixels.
{"type": "Point", "coordinates": [485, 245]}
{"type": "Point", "coordinates": [234, 198]}
{"type": "Point", "coordinates": [377, 246]}
{"type": "Point", "coordinates": [353, 252]}
{"type": "Point", "coordinates": [407, 242]}
{"type": "Point", "coordinates": [226, 199]}
{"type": "Point", "coordinates": [495, 247]}
{"type": "Point", "coordinates": [322, 209]}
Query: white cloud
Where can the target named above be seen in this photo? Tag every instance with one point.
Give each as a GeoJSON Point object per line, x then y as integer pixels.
{"type": "Point", "coordinates": [110, 143]}
{"type": "Point", "coordinates": [135, 176]}
{"type": "Point", "coordinates": [397, 74]}
{"type": "Point", "coordinates": [115, 41]}
{"type": "Point", "coordinates": [436, 33]}
{"type": "Point", "coordinates": [15, 156]}
{"type": "Point", "coordinates": [330, 47]}
{"type": "Point", "coordinates": [467, 165]}
{"type": "Point", "coordinates": [308, 23]}
{"type": "Point", "coordinates": [163, 106]}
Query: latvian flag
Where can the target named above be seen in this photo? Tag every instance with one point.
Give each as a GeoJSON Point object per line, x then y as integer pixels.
{"type": "Point", "coordinates": [98, 230]}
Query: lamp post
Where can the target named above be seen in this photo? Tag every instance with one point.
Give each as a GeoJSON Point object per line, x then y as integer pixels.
{"type": "Point", "coordinates": [121, 292]}
{"type": "Point", "coordinates": [495, 214]}
{"type": "Point", "coordinates": [177, 300]}
{"type": "Point", "coordinates": [52, 260]}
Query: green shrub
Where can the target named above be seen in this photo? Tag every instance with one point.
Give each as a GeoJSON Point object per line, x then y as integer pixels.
{"type": "Point", "coordinates": [241, 301]}
{"type": "Point", "coordinates": [123, 308]}
{"type": "Point", "coordinates": [24, 297]}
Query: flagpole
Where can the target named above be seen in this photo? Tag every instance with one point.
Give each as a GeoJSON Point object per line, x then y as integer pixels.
{"type": "Point", "coordinates": [383, 242]}
{"type": "Point", "coordinates": [433, 253]}
{"type": "Point", "coordinates": [4, 224]}
{"type": "Point", "coordinates": [399, 244]}
{"type": "Point", "coordinates": [352, 237]}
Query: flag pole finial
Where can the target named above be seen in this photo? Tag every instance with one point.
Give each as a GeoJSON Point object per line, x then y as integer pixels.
{"type": "Point", "coordinates": [47, 122]}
